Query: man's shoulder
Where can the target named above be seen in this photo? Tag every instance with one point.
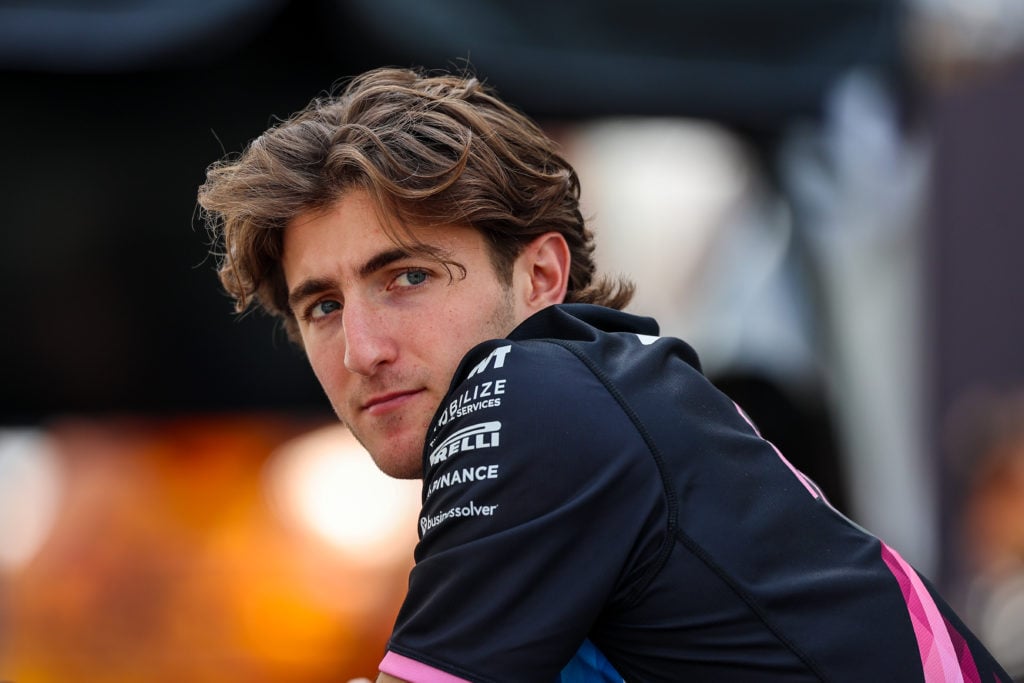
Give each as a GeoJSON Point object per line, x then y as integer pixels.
{"type": "Point", "coordinates": [516, 391]}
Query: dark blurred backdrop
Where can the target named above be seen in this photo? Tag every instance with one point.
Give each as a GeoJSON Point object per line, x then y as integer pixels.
{"type": "Point", "coordinates": [112, 110]}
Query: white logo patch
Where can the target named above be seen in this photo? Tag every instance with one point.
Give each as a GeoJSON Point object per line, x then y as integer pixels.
{"type": "Point", "coordinates": [497, 355]}
{"type": "Point", "coordinates": [474, 437]}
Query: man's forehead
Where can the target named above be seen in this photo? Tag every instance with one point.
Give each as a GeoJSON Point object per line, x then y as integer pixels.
{"type": "Point", "coordinates": [349, 238]}
{"type": "Point", "coordinates": [357, 212]}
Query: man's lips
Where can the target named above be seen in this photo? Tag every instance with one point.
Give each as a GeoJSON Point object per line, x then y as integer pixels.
{"type": "Point", "coordinates": [381, 403]}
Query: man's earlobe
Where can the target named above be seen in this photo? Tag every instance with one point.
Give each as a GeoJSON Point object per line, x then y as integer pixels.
{"type": "Point", "coordinates": [547, 261]}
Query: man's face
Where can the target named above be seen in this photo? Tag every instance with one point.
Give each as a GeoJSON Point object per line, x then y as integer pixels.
{"type": "Point", "coordinates": [384, 329]}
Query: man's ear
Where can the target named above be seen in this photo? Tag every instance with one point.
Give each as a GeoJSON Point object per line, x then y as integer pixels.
{"type": "Point", "coordinates": [542, 272]}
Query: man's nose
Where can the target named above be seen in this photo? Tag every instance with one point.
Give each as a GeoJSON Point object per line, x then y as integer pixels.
{"type": "Point", "coordinates": [368, 343]}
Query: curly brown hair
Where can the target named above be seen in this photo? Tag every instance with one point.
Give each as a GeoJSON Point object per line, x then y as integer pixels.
{"type": "Point", "coordinates": [429, 149]}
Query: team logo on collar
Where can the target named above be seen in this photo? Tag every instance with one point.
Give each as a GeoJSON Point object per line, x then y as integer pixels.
{"type": "Point", "coordinates": [497, 355]}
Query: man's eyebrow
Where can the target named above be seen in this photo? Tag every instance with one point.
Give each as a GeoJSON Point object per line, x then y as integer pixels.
{"type": "Point", "coordinates": [316, 285]}
{"type": "Point", "coordinates": [383, 260]}
{"type": "Point", "coordinates": [308, 288]}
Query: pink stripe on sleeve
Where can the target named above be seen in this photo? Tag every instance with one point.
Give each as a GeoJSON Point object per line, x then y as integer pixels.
{"type": "Point", "coordinates": [413, 671]}
{"type": "Point", "coordinates": [938, 656]}
{"type": "Point", "coordinates": [963, 653]}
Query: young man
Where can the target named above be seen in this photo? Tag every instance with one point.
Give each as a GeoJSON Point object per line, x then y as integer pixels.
{"type": "Point", "coordinates": [588, 496]}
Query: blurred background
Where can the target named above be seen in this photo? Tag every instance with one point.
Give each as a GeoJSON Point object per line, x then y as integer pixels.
{"type": "Point", "coordinates": [822, 196]}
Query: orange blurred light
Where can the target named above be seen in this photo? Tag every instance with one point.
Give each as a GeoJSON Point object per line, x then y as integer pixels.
{"type": "Point", "coordinates": [327, 483]}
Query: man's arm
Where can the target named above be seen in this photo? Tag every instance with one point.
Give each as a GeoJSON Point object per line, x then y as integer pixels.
{"type": "Point", "coordinates": [388, 678]}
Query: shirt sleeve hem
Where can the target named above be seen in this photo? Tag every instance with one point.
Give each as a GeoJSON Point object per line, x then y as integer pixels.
{"type": "Point", "coordinates": [414, 671]}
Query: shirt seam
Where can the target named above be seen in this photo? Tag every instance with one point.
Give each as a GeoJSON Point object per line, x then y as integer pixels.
{"type": "Point", "coordinates": [671, 499]}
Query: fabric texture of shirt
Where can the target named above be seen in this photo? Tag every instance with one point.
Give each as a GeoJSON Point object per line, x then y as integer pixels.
{"type": "Point", "coordinates": [585, 483]}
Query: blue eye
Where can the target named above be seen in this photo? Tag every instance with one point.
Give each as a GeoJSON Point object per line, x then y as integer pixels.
{"type": "Point", "coordinates": [411, 278]}
{"type": "Point", "coordinates": [324, 308]}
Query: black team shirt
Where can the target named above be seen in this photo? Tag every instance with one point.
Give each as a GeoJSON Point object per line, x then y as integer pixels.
{"type": "Point", "coordinates": [583, 481]}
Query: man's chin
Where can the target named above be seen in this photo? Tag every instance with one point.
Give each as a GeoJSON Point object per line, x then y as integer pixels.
{"type": "Point", "coordinates": [396, 462]}
{"type": "Point", "coordinates": [400, 470]}
{"type": "Point", "coordinates": [390, 459]}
